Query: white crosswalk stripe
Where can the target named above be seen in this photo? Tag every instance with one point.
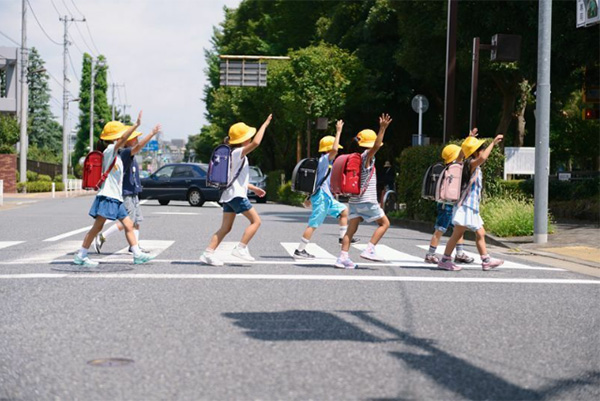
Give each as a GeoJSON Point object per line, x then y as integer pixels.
{"type": "Point", "coordinates": [47, 254]}
{"type": "Point", "coordinates": [6, 244]}
{"type": "Point", "coordinates": [314, 249]}
{"type": "Point", "coordinates": [154, 247]}
{"type": "Point", "coordinates": [392, 255]}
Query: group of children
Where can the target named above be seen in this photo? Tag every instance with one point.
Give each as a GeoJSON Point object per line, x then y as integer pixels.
{"type": "Point", "coordinates": [117, 198]}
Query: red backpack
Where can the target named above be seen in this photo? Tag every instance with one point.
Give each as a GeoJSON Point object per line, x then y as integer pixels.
{"type": "Point", "coordinates": [92, 170]}
{"type": "Point", "coordinates": [345, 175]}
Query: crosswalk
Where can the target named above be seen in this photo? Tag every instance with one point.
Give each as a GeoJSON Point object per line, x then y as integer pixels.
{"type": "Point", "coordinates": [61, 252]}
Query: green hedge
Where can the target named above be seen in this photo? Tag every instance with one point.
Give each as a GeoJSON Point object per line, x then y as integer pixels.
{"type": "Point", "coordinates": [39, 186]}
{"type": "Point", "coordinates": [289, 197]}
{"type": "Point", "coordinates": [44, 177]}
{"type": "Point", "coordinates": [414, 162]}
{"type": "Point", "coordinates": [273, 184]}
{"type": "Point", "coordinates": [557, 190]}
{"type": "Point", "coordinates": [507, 217]}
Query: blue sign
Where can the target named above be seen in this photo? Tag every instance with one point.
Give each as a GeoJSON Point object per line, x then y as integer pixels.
{"type": "Point", "coordinates": [151, 146]}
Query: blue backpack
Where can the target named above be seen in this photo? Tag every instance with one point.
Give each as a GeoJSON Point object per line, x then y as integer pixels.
{"type": "Point", "coordinates": [219, 168]}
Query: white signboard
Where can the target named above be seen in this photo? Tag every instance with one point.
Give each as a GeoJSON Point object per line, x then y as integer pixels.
{"type": "Point", "coordinates": [587, 13]}
{"type": "Point", "coordinates": [520, 161]}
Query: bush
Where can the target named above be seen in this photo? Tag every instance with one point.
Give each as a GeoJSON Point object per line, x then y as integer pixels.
{"type": "Point", "coordinates": [32, 176]}
{"type": "Point", "coordinates": [39, 186]}
{"type": "Point", "coordinates": [58, 177]}
{"type": "Point", "coordinates": [44, 177]}
{"type": "Point", "coordinates": [506, 217]}
{"type": "Point", "coordinates": [289, 197]}
{"type": "Point", "coordinates": [413, 163]}
{"type": "Point", "coordinates": [273, 184]}
{"type": "Point", "coordinates": [557, 190]}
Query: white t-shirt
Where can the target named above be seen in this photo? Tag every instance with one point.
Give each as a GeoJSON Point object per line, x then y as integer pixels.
{"type": "Point", "coordinates": [368, 177]}
{"type": "Point", "coordinates": [239, 188]}
{"type": "Point", "coordinates": [112, 187]}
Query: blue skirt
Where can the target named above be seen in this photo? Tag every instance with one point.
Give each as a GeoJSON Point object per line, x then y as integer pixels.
{"type": "Point", "coordinates": [109, 208]}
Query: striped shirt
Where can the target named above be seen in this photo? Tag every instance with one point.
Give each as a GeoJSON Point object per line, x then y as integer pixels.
{"type": "Point", "coordinates": [473, 197]}
{"type": "Point", "coordinates": [370, 194]}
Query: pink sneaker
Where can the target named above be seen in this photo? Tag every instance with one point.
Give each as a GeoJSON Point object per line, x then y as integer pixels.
{"type": "Point", "coordinates": [431, 258]}
{"type": "Point", "coordinates": [448, 265]}
{"type": "Point", "coordinates": [345, 263]}
{"type": "Point", "coordinates": [491, 263]}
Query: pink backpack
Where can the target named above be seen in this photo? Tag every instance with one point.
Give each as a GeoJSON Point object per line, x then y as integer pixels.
{"type": "Point", "coordinates": [453, 184]}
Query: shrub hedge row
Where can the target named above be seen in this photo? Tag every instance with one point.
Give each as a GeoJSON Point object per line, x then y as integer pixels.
{"type": "Point", "coordinates": [39, 186]}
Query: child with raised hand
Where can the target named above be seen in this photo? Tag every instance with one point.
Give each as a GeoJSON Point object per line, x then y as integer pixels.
{"type": "Point", "coordinates": [322, 200]}
{"type": "Point", "coordinates": [365, 206]}
{"type": "Point", "coordinates": [243, 139]}
{"type": "Point", "coordinates": [466, 212]}
{"type": "Point", "coordinates": [108, 204]}
{"type": "Point", "coordinates": [132, 187]}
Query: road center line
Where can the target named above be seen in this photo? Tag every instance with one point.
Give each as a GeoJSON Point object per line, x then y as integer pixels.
{"type": "Point", "coordinates": [300, 277]}
{"type": "Point", "coordinates": [70, 233]}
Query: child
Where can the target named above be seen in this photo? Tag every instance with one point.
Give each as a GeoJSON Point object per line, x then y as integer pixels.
{"type": "Point", "coordinates": [109, 201]}
{"type": "Point", "coordinates": [365, 206]}
{"type": "Point", "coordinates": [235, 197]}
{"type": "Point", "coordinates": [450, 153]}
{"type": "Point", "coordinates": [131, 187]}
{"type": "Point", "coordinates": [466, 212]}
{"type": "Point", "coordinates": [322, 201]}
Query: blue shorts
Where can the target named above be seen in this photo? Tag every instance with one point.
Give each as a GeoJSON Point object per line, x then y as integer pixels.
{"type": "Point", "coordinates": [237, 205]}
{"type": "Point", "coordinates": [109, 208]}
{"type": "Point", "coordinates": [368, 211]}
{"type": "Point", "coordinates": [323, 205]}
{"type": "Point", "coordinates": [444, 217]}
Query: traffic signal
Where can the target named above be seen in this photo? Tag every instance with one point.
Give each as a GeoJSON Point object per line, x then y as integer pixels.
{"type": "Point", "coordinates": [591, 113]}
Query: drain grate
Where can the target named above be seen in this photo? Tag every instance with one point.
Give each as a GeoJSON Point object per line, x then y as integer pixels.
{"type": "Point", "coordinates": [110, 362]}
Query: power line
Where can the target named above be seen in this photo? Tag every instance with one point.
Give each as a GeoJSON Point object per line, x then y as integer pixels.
{"type": "Point", "coordinates": [91, 37]}
{"type": "Point", "coordinates": [9, 38]}
{"type": "Point", "coordinates": [55, 9]}
{"type": "Point", "coordinates": [84, 41]}
{"type": "Point", "coordinates": [75, 44]}
{"type": "Point", "coordinates": [77, 8]}
{"type": "Point", "coordinates": [40, 25]}
{"type": "Point", "coordinates": [73, 67]}
{"type": "Point", "coordinates": [65, 4]}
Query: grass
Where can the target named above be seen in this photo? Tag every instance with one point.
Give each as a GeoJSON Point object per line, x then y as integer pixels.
{"type": "Point", "coordinates": [510, 217]}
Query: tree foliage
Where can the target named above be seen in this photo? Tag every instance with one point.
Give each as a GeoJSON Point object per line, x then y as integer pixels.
{"type": "Point", "coordinates": [9, 133]}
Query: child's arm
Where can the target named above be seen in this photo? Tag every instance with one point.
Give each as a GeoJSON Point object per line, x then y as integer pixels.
{"type": "Point", "coordinates": [146, 139]}
{"type": "Point", "coordinates": [258, 191]}
{"type": "Point", "coordinates": [121, 142]}
{"type": "Point", "coordinates": [257, 138]}
{"type": "Point", "coordinates": [384, 122]}
{"type": "Point", "coordinates": [336, 143]}
{"type": "Point", "coordinates": [473, 132]}
{"type": "Point", "coordinates": [486, 153]}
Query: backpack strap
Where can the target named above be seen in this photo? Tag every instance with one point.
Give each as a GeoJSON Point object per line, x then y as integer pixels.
{"type": "Point", "coordinates": [322, 181]}
{"type": "Point", "coordinates": [471, 181]}
{"type": "Point", "coordinates": [107, 172]}
{"type": "Point", "coordinates": [236, 174]}
{"type": "Point", "coordinates": [364, 189]}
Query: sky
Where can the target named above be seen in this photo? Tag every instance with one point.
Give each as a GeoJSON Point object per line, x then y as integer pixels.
{"type": "Point", "coordinates": [154, 47]}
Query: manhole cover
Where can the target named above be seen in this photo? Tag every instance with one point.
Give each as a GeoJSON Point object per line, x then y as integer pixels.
{"type": "Point", "coordinates": [110, 362]}
{"type": "Point", "coordinates": [103, 268]}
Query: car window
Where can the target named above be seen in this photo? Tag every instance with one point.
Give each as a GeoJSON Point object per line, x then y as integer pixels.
{"type": "Point", "coordinates": [199, 172]}
{"type": "Point", "coordinates": [165, 172]}
{"type": "Point", "coordinates": [255, 172]}
{"type": "Point", "coordinates": [182, 172]}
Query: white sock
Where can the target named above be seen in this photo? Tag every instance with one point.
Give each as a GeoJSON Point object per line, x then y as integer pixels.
{"type": "Point", "coordinates": [242, 246]}
{"type": "Point", "coordinates": [343, 255]}
{"type": "Point", "coordinates": [136, 250]}
{"type": "Point", "coordinates": [303, 243]}
{"type": "Point", "coordinates": [370, 246]}
{"type": "Point", "coordinates": [343, 230]}
{"type": "Point", "coordinates": [209, 251]}
{"type": "Point", "coordinates": [82, 253]}
{"type": "Point", "coordinates": [137, 235]}
{"type": "Point", "coordinates": [110, 231]}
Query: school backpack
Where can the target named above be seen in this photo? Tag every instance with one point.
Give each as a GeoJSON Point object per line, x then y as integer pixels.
{"type": "Point", "coordinates": [345, 175]}
{"type": "Point", "coordinates": [453, 183]}
{"type": "Point", "coordinates": [430, 180]}
{"type": "Point", "coordinates": [304, 176]}
{"type": "Point", "coordinates": [219, 168]}
{"type": "Point", "coordinates": [93, 176]}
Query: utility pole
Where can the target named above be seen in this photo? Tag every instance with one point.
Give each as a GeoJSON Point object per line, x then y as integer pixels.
{"type": "Point", "coordinates": [542, 124]}
{"type": "Point", "coordinates": [112, 118]}
{"type": "Point", "coordinates": [92, 108]}
{"type": "Point", "coordinates": [24, 98]}
{"type": "Point", "coordinates": [450, 90]}
{"type": "Point", "coordinates": [65, 158]}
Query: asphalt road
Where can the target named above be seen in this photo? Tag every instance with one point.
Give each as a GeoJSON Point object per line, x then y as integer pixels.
{"type": "Point", "coordinates": [275, 329]}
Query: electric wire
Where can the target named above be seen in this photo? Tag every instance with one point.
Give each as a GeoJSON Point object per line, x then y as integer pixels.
{"type": "Point", "coordinates": [9, 38]}
{"type": "Point", "coordinates": [40, 25]}
{"type": "Point", "coordinates": [77, 8]}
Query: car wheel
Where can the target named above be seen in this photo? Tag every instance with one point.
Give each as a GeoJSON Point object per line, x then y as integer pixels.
{"type": "Point", "coordinates": [195, 197]}
{"type": "Point", "coordinates": [164, 202]}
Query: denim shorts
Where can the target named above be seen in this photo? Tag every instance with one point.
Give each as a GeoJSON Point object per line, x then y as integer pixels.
{"type": "Point", "coordinates": [323, 205]}
{"type": "Point", "coordinates": [109, 208]}
{"type": "Point", "coordinates": [444, 217]}
{"type": "Point", "coordinates": [368, 211]}
{"type": "Point", "coordinates": [237, 205]}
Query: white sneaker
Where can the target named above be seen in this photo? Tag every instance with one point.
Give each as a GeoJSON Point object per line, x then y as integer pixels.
{"type": "Point", "coordinates": [370, 254]}
{"type": "Point", "coordinates": [242, 253]}
{"type": "Point", "coordinates": [209, 259]}
{"type": "Point", "coordinates": [345, 263]}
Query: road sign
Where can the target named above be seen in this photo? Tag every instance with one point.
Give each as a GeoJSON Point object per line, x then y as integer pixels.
{"type": "Point", "coordinates": [587, 13]}
{"type": "Point", "coordinates": [421, 106]}
{"type": "Point", "coordinates": [243, 73]}
{"type": "Point", "coordinates": [151, 146]}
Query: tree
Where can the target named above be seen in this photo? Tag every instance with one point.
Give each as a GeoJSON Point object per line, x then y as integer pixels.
{"type": "Point", "coordinates": [9, 133]}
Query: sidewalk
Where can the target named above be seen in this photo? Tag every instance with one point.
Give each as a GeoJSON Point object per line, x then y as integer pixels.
{"type": "Point", "coordinates": [12, 200]}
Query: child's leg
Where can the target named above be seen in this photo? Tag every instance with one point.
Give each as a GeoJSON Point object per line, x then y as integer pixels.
{"type": "Point", "coordinates": [343, 223]}
{"type": "Point", "coordinates": [226, 224]}
{"type": "Point", "coordinates": [435, 240]}
{"type": "Point", "coordinates": [255, 222]}
{"type": "Point", "coordinates": [112, 229]}
{"type": "Point", "coordinates": [96, 228]}
{"type": "Point", "coordinates": [352, 228]}
{"type": "Point", "coordinates": [480, 241]}
{"type": "Point", "coordinates": [458, 232]}
{"type": "Point", "coordinates": [383, 225]}
{"type": "Point", "coordinates": [128, 225]}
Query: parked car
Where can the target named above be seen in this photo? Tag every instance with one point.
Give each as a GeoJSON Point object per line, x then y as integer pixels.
{"type": "Point", "coordinates": [144, 174]}
{"type": "Point", "coordinates": [257, 178]}
{"type": "Point", "coordinates": [181, 181]}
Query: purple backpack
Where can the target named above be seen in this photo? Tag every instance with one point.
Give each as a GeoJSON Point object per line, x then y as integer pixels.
{"type": "Point", "coordinates": [219, 168]}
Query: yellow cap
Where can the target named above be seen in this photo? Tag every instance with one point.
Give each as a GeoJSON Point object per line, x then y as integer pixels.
{"type": "Point", "coordinates": [326, 144]}
{"type": "Point", "coordinates": [450, 153]}
{"type": "Point", "coordinates": [240, 132]}
{"type": "Point", "coordinates": [366, 138]}
{"type": "Point", "coordinates": [470, 145]}
{"type": "Point", "coordinates": [113, 130]}
{"type": "Point", "coordinates": [134, 135]}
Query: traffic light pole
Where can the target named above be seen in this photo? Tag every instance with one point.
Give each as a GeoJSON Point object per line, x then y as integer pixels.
{"type": "Point", "coordinates": [542, 128]}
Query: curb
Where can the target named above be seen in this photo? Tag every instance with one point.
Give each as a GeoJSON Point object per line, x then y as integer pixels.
{"type": "Point", "coordinates": [562, 258]}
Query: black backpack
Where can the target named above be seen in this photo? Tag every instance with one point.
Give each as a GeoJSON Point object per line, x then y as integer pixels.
{"type": "Point", "coordinates": [430, 180]}
{"type": "Point", "coordinates": [305, 175]}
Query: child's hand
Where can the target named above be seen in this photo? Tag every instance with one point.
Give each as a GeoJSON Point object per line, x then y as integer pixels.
{"type": "Point", "coordinates": [156, 129]}
{"type": "Point", "coordinates": [268, 120]}
{"type": "Point", "coordinates": [260, 192]}
{"type": "Point", "coordinates": [498, 139]}
{"type": "Point", "coordinates": [339, 125]}
{"type": "Point", "coordinates": [473, 132]}
{"type": "Point", "coordinates": [139, 119]}
{"type": "Point", "coordinates": [385, 120]}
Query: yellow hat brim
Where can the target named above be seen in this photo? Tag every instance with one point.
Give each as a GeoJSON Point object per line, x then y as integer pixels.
{"type": "Point", "coordinates": [328, 148]}
{"type": "Point", "coordinates": [471, 149]}
{"type": "Point", "coordinates": [112, 137]}
{"type": "Point", "coordinates": [251, 132]}
{"type": "Point", "coordinates": [134, 135]}
{"type": "Point", "coordinates": [367, 144]}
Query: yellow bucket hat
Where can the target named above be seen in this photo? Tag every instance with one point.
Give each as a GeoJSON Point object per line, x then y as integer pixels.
{"type": "Point", "coordinates": [470, 145]}
{"type": "Point", "coordinates": [366, 138]}
{"type": "Point", "coordinates": [240, 132]}
{"type": "Point", "coordinates": [113, 130]}
{"type": "Point", "coordinates": [450, 153]}
{"type": "Point", "coordinates": [133, 135]}
{"type": "Point", "coordinates": [326, 144]}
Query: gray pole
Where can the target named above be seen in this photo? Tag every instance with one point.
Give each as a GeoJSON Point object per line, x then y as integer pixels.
{"type": "Point", "coordinates": [65, 158]}
{"type": "Point", "coordinates": [92, 109]}
{"type": "Point", "coordinates": [542, 127]}
{"type": "Point", "coordinates": [24, 99]}
{"type": "Point", "coordinates": [420, 121]}
{"type": "Point", "coordinates": [450, 85]}
{"type": "Point", "coordinates": [474, 83]}
{"type": "Point", "coordinates": [113, 102]}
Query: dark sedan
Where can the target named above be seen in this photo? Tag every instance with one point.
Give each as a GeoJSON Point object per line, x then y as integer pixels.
{"type": "Point", "coordinates": [182, 181]}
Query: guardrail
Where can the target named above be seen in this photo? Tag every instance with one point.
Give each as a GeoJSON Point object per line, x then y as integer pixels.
{"type": "Point", "coordinates": [72, 186]}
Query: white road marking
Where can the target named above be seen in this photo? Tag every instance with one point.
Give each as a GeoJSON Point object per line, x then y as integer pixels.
{"type": "Point", "coordinates": [155, 247]}
{"type": "Point", "coordinates": [507, 264]}
{"type": "Point", "coordinates": [177, 213]}
{"type": "Point", "coordinates": [392, 255]}
{"type": "Point", "coordinates": [301, 277]}
{"type": "Point", "coordinates": [223, 253]}
{"type": "Point", "coordinates": [320, 253]}
{"type": "Point", "coordinates": [46, 255]}
{"type": "Point", "coordinates": [143, 202]}
{"type": "Point", "coordinates": [6, 244]}
{"type": "Point", "coordinates": [70, 233]}
{"type": "Point", "coordinates": [211, 204]}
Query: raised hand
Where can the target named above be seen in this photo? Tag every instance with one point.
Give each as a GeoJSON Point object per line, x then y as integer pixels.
{"type": "Point", "coordinates": [156, 129]}
{"type": "Point", "coordinates": [385, 120]}
{"type": "Point", "coordinates": [473, 132]}
{"type": "Point", "coordinates": [498, 139]}
{"type": "Point", "coordinates": [268, 120]}
{"type": "Point", "coordinates": [339, 125]}
{"type": "Point", "coordinates": [139, 119]}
